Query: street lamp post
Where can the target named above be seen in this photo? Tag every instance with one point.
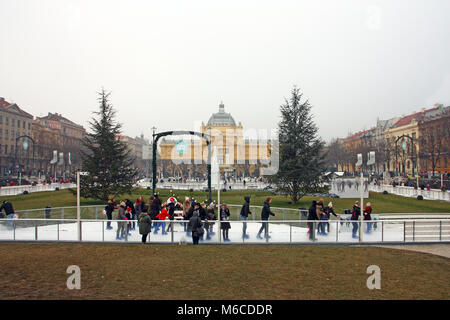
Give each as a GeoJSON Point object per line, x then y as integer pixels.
{"type": "Point", "coordinates": [78, 203]}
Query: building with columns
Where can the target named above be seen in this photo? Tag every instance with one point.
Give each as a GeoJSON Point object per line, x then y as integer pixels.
{"type": "Point", "coordinates": [237, 155]}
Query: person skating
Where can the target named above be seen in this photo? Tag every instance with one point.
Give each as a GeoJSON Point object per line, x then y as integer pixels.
{"type": "Point", "coordinates": [356, 212]}
{"type": "Point", "coordinates": [245, 211]}
{"type": "Point", "coordinates": [154, 210]}
{"type": "Point", "coordinates": [224, 224]}
{"type": "Point", "coordinates": [329, 211]}
{"type": "Point", "coordinates": [195, 225]}
{"type": "Point", "coordinates": [109, 208]}
{"type": "Point", "coordinates": [322, 217]}
{"type": "Point", "coordinates": [312, 216]}
{"type": "Point", "coordinates": [161, 223]}
{"type": "Point", "coordinates": [265, 214]}
{"type": "Point", "coordinates": [128, 216]}
{"type": "Point", "coordinates": [367, 217]}
{"type": "Point", "coordinates": [171, 209]}
{"type": "Point", "coordinates": [186, 207]}
{"type": "Point", "coordinates": [210, 217]}
{"type": "Point", "coordinates": [120, 233]}
{"type": "Point", "coordinates": [138, 206]}
{"type": "Point", "coordinates": [132, 210]}
{"type": "Point", "coordinates": [145, 224]}
{"type": "Point", "coordinates": [9, 212]}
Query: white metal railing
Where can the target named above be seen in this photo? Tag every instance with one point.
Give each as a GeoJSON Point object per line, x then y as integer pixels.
{"type": "Point", "coordinates": [95, 212]}
{"type": "Point", "coordinates": [281, 232]}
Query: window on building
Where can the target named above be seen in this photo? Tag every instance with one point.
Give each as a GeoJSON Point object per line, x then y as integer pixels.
{"type": "Point", "coordinates": [29, 126]}
{"type": "Point", "coordinates": [18, 123]}
{"type": "Point", "coordinates": [6, 149]}
{"type": "Point", "coordinates": [413, 135]}
{"type": "Point", "coordinates": [13, 122]}
{"type": "Point", "coordinates": [6, 120]}
{"type": "Point", "coordinates": [23, 125]}
{"type": "Point", "coordinates": [1, 119]}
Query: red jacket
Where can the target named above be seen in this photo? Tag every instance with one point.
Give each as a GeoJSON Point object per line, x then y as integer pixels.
{"type": "Point", "coordinates": [367, 212]}
{"type": "Point", "coordinates": [163, 214]}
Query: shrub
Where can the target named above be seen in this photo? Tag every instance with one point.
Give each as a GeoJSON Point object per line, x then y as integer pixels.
{"type": "Point", "coordinates": [419, 197]}
{"type": "Point", "coordinates": [57, 189]}
{"type": "Point", "coordinates": [385, 192]}
{"type": "Point", "coordinates": [25, 192]}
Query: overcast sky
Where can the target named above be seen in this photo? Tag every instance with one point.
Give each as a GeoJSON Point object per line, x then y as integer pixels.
{"type": "Point", "coordinates": [170, 63]}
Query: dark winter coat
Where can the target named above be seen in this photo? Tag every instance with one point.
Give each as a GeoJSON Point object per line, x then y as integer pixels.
{"type": "Point", "coordinates": [312, 212]}
{"type": "Point", "coordinates": [109, 208]}
{"type": "Point", "coordinates": [194, 224]}
{"type": "Point", "coordinates": [171, 210]}
{"type": "Point", "coordinates": [265, 213]}
{"type": "Point", "coordinates": [190, 213]}
{"type": "Point", "coordinates": [245, 211]}
{"type": "Point", "coordinates": [144, 223]}
{"type": "Point", "coordinates": [356, 213]}
{"type": "Point", "coordinates": [154, 210]}
{"type": "Point", "coordinates": [158, 203]}
{"type": "Point", "coordinates": [202, 213]}
{"type": "Point", "coordinates": [329, 211]}
{"type": "Point", "coordinates": [224, 217]}
{"type": "Point", "coordinates": [8, 207]}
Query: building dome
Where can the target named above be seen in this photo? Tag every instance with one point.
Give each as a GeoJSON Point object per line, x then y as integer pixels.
{"type": "Point", "coordinates": [221, 119]}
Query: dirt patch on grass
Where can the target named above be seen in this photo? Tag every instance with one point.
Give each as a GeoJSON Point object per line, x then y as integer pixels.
{"type": "Point", "coordinates": [38, 271]}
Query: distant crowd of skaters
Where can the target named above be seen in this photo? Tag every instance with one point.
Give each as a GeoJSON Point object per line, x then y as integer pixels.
{"type": "Point", "coordinates": [198, 217]}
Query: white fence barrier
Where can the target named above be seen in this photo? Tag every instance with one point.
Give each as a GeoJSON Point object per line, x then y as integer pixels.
{"type": "Point", "coordinates": [15, 190]}
{"type": "Point", "coordinates": [433, 194]}
{"type": "Point", "coordinates": [278, 232]}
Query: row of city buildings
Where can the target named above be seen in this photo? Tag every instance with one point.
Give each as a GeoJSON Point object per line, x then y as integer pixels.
{"type": "Point", "coordinates": [50, 145]}
{"type": "Point", "coordinates": [412, 144]}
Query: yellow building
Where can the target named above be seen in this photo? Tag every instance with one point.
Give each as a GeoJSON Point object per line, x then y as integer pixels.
{"type": "Point", "coordinates": [236, 154]}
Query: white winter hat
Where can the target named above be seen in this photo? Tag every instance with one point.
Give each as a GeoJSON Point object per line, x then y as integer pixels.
{"type": "Point", "coordinates": [330, 204]}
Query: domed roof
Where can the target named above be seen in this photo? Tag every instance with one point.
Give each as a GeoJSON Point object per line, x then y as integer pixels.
{"type": "Point", "coordinates": [221, 118]}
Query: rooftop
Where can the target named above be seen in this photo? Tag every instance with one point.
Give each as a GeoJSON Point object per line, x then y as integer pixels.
{"type": "Point", "coordinates": [221, 118]}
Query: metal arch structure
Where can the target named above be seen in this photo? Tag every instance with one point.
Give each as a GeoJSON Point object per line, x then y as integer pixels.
{"type": "Point", "coordinates": [402, 137]}
{"type": "Point", "coordinates": [157, 136]}
{"type": "Point", "coordinates": [15, 150]}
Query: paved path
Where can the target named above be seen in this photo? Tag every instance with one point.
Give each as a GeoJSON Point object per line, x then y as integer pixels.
{"type": "Point", "coordinates": [437, 249]}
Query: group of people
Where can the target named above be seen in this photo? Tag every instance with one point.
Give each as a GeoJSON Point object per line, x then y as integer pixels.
{"type": "Point", "coordinates": [356, 214]}
{"type": "Point", "coordinates": [197, 218]}
{"type": "Point", "coordinates": [319, 212]}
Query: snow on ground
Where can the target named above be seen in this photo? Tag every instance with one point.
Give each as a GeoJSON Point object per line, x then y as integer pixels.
{"type": "Point", "coordinates": [279, 233]}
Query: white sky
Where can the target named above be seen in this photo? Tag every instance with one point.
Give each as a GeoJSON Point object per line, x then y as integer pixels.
{"type": "Point", "coordinates": [170, 63]}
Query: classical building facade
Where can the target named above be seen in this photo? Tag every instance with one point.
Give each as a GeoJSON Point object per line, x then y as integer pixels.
{"type": "Point", "coordinates": [237, 156]}
{"type": "Point", "coordinates": [16, 147]}
{"type": "Point", "coordinates": [410, 144]}
{"type": "Point", "coordinates": [55, 133]}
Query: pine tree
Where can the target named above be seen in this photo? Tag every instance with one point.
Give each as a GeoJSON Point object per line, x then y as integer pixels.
{"type": "Point", "coordinates": [302, 164]}
{"type": "Point", "coordinates": [106, 158]}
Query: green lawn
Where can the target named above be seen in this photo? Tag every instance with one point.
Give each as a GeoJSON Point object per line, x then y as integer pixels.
{"type": "Point", "coordinates": [38, 271]}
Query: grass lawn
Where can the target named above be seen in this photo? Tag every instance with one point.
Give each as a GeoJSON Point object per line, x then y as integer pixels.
{"type": "Point", "coordinates": [38, 271]}
{"type": "Point", "coordinates": [381, 203]}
